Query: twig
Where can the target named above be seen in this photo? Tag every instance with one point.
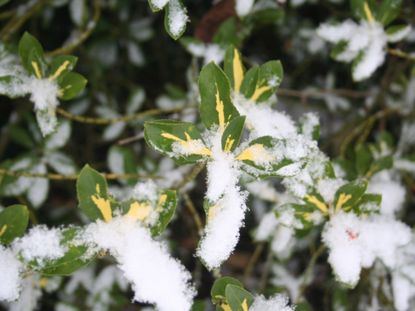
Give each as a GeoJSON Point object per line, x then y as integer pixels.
{"type": "Point", "coordinates": [84, 35]}
{"type": "Point", "coordinates": [265, 273]}
{"type": "Point", "coordinates": [361, 127]}
{"type": "Point", "coordinates": [252, 261]}
{"type": "Point", "coordinates": [53, 176]}
{"type": "Point", "coordinates": [304, 94]}
{"type": "Point", "coordinates": [401, 54]}
{"type": "Point", "coordinates": [18, 20]}
{"type": "Point", "coordinates": [192, 209]}
{"type": "Point", "coordinates": [309, 270]}
{"type": "Point", "coordinates": [197, 168]}
{"type": "Point", "coordinates": [127, 118]}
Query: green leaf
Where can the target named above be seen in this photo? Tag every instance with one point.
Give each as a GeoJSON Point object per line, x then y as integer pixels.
{"type": "Point", "coordinates": [303, 212]}
{"type": "Point", "coordinates": [381, 164]}
{"type": "Point", "coordinates": [71, 261]}
{"type": "Point", "coordinates": [260, 159]}
{"type": "Point", "coordinates": [363, 159]}
{"type": "Point", "coordinates": [349, 194]}
{"type": "Point", "coordinates": [358, 8]}
{"type": "Point", "coordinates": [216, 106]}
{"type": "Point", "coordinates": [128, 161]}
{"type": "Point", "coordinates": [234, 68]}
{"type": "Point", "coordinates": [217, 291]}
{"type": "Point", "coordinates": [261, 82]}
{"type": "Point", "coordinates": [238, 298]}
{"type": "Point", "coordinates": [13, 223]}
{"type": "Point", "coordinates": [232, 134]}
{"type": "Point", "coordinates": [388, 11]}
{"type": "Point", "coordinates": [70, 85]}
{"type": "Point", "coordinates": [3, 2]}
{"type": "Point", "coordinates": [338, 49]}
{"type": "Point", "coordinates": [166, 206]}
{"type": "Point", "coordinates": [32, 55]}
{"type": "Point", "coordinates": [163, 134]}
{"type": "Point", "coordinates": [92, 194]}
{"type": "Point", "coordinates": [228, 33]}
{"type": "Point", "coordinates": [61, 65]}
{"type": "Point", "coordinates": [8, 85]}
{"type": "Point", "coordinates": [368, 203]}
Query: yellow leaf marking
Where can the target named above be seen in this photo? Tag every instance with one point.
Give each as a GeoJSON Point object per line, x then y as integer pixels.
{"type": "Point", "coordinates": [254, 153]}
{"type": "Point", "coordinates": [343, 199]}
{"type": "Point", "coordinates": [3, 229]}
{"type": "Point", "coordinates": [43, 282]}
{"type": "Point", "coordinates": [259, 91]}
{"type": "Point", "coordinates": [244, 305]}
{"type": "Point", "coordinates": [186, 143]}
{"type": "Point", "coordinates": [225, 307]}
{"type": "Point", "coordinates": [238, 72]}
{"type": "Point", "coordinates": [320, 205]}
{"type": "Point", "coordinates": [220, 109]}
{"type": "Point", "coordinates": [60, 69]}
{"type": "Point", "coordinates": [162, 199]}
{"type": "Point", "coordinates": [212, 212]}
{"type": "Point", "coordinates": [229, 143]}
{"type": "Point", "coordinates": [102, 204]}
{"type": "Point", "coordinates": [139, 211]}
{"type": "Point", "coordinates": [368, 13]}
{"type": "Point", "coordinates": [36, 68]}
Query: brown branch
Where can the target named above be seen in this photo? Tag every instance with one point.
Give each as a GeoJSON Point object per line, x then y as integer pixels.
{"type": "Point", "coordinates": [127, 118]}
{"type": "Point", "coordinates": [67, 49]}
{"type": "Point", "coordinates": [53, 176]}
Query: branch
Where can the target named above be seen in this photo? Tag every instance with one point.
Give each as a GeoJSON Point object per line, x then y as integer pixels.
{"type": "Point", "coordinates": [402, 54]}
{"type": "Point", "coordinates": [67, 49]}
{"type": "Point", "coordinates": [18, 20]}
{"type": "Point", "coordinates": [304, 94]}
{"type": "Point", "coordinates": [53, 176]}
{"type": "Point", "coordinates": [127, 118]}
{"type": "Point", "coordinates": [192, 209]}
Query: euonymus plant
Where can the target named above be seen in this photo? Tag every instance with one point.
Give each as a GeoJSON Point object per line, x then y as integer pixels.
{"type": "Point", "coordinates": [212, 178]}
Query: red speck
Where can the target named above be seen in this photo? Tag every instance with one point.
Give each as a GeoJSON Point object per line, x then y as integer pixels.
{"type": "Point", "coordinates": [352, 235]}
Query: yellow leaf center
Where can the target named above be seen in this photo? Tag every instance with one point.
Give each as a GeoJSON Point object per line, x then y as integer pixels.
{"type": "Point", "coordinates": [317, 203]}
{"type": "Point", "coordinates": [139, 211]}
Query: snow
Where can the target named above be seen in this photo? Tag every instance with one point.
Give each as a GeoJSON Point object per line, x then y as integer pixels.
{"type": "Point", "coordinates": [210, 52]}
{"type": "Point", "coordinates": [393, 195]}
{"type": "Point", "coordinates": [366, 42]}
{"type": "Point", "coordinates": [40, 244]}
{"type": "Point", "coordinates": [227, 204]}
{"type": "Point", "coordinates": [327, 188]}
{"type": "Point", "coordinates": [276, 303]}
{"type": "Point", "coordinates": [399, 35]}
{"type": "Point", "coordinates": [38, 191]}
{"type": "Point", "coordinates": [29, 296]}
{"type": "Point", "coordinates": [403, 277]}
{"type": "Point", "coordinates": [266, 227]}
{"type": "Point", "coordinates": [145, 191]}
{"type": "Point", "coordinates": [159, 4]}
{"type": "Point", "coordinates": [10, 269]}
{"type": "Point", "coordinates": [355, 243]}
{"type": "Point", "coordinates": [243, 7]}
{"type": "Point", "coordinates": [177, 18]}
{"type": "Point", "coordinates": [262, 120]}
{"type": "Point", "coordinates": [155, 276]}
{"type": "Point", "coordinates": [309, 122]}
{"type": "Point", "coordinates": [42, 92]}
